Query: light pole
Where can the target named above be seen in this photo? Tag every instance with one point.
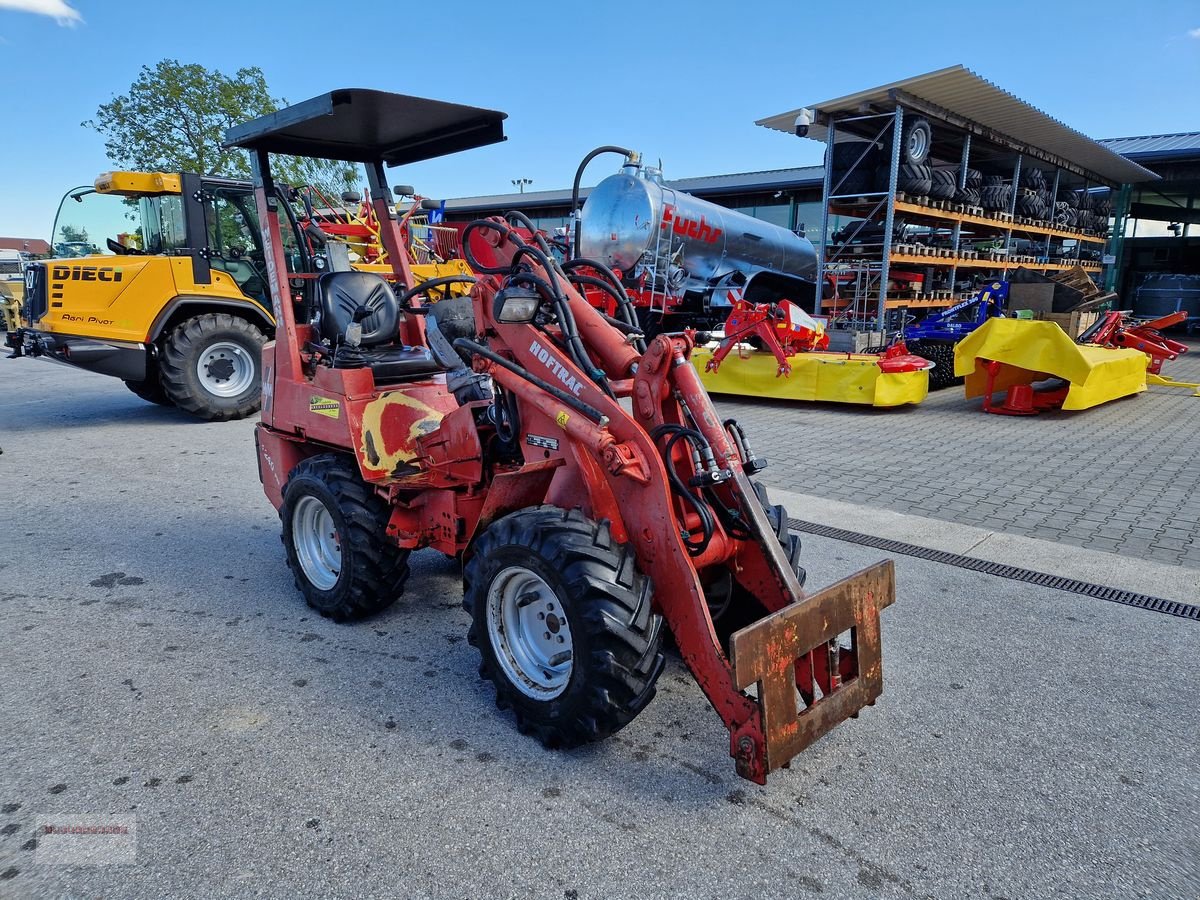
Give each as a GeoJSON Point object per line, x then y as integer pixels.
{"type": "Point", "coordinates": [520, 183]}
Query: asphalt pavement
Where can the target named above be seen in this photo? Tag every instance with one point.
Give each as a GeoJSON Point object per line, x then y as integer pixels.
{"type": "Point", "coordinates": [160, 670]}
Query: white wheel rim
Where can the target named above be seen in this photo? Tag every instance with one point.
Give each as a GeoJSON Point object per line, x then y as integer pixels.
{"type": "Point", "coordinates": [225, 369]}
{"type": "Point", "coordinates": [916, 143]}
{"type": "Point", "coordinates": [529, 633]}
{"type": "Point", "coordinates": [318, 545]}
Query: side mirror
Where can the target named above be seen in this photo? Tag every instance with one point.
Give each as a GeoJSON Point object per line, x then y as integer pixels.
{"type": "Point", "coordinates": [431, 204]}
{"type": "Point", "coordinates": [404, 190]}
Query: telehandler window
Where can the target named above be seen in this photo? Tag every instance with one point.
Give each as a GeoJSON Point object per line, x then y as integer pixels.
{"type": "Point", "coordinates": [87, 221]}
{"type": "Point", "coordinates": [234, 241]}
{"type": "Point", "coordinates": [162, 224]}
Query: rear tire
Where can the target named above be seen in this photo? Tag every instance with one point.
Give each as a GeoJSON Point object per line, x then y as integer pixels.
{"type": "Point", "coordinates": [335, 533]}
{"type": "Point", "coordinates": [212, 367]}
{"type": "Point", "coordinates": [544, 582]}
{"type": "Point", "coordinates": [150, 390]}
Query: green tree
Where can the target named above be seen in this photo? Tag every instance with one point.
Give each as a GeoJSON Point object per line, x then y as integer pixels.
{"type": "Point", "coordinates": [72, 234]}
{"type": "Point", "coordinates": [174, 117]}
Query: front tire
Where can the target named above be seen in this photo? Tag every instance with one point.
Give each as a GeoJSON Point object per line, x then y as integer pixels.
{"type": "Point", "coordinates": [563, 623]}
{"type": "Point", "coordinates": [212, 367]}
{"type": "Point", "coordinates": [335, 533]}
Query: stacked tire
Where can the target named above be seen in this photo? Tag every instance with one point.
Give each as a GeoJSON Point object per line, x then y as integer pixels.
{"type": "Point", "coordinates": [996, 195]}
{"type": "Point", "coordinates": [854, 168]}
{"type": "Point", "coordinates": [1031, 205]}
{"type": "Point", "coordinates": [1033, 178]}
{"type": "Point", "coordinates": [916, 180]}
{"type": "Point", "coordinates": [970, 193]}
{"type": "Point", "coordinates": [944, 183]}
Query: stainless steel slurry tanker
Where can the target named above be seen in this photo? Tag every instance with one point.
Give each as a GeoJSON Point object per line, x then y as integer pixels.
{"type": "Point", "coordinates": [687, 263]}
{"type": "Point", "coordinates": [680, 256]}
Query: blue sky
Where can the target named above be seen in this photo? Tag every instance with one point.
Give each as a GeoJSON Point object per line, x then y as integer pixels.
{"type": "Point", "coordinates": [683, 81]}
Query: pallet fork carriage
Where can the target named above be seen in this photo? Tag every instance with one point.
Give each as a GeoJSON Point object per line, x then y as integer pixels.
{"type": "Point", "coordinates": [589, 485]}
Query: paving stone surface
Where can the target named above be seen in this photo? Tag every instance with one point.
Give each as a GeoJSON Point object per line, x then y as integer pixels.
{"type": "Point", "coordinates": [1123, 477]}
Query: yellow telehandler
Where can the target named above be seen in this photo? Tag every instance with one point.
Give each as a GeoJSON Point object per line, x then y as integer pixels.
{"type": "Point", "coordinates": [159, 279]}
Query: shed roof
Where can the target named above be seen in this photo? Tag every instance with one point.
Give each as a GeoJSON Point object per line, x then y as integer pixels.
{"type": "Point", "coordinates": [1156, 146]}
{"type": "Point", "coordinates": [962, 94]}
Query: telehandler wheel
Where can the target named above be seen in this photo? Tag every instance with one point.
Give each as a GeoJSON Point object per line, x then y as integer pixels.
{"type": "Point", "coordinates": [211, 366]}
{"type": "Point", "coordinates": [335, 533]}
{"type": "Point", "coordinates": [150, 390]}
{"type": "Point", "coordinates": [563, 623]}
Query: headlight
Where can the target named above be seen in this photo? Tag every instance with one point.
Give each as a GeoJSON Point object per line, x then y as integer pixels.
{"type": "Point", "coordinates": [516, 305]}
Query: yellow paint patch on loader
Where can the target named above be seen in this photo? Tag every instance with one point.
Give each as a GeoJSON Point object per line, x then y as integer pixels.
{"type": "Point", "coordinates": [1034, 351]}
{"type": "Point", "coordinates": [825, 377]}
{"type": "Point", "coordinates": [385, 418]}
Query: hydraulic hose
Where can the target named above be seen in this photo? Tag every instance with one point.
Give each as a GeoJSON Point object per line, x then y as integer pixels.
{"type": "Point", "coordinates": [579, 177]}
{"type": "Point", "coordinates": [431, 284]}
{"type": "Point", "coordinates": [566, 320]}
{"type": "Point", "coordinates": [533, 229]}
{"type": "Point", "coordinates": [617, 291]}
{"type": "Point", "coordinates": [571, 400]}
{"type": "Point", "coordinates": [701, 507]}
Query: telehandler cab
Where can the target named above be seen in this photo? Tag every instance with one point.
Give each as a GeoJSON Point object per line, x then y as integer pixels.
{"type": "Point", "coordinates": [583, 477]}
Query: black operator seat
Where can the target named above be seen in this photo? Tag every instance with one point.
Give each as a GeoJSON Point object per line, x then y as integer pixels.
{"type": "Point", "coordinates": [343, 298]}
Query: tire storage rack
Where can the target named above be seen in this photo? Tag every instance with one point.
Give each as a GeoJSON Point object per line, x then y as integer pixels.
{"type": "Point", "coordinates": [922, 203]}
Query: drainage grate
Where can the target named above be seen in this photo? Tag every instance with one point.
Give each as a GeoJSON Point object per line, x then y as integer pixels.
{"type": "Point", "coordinates": [1000, 570]}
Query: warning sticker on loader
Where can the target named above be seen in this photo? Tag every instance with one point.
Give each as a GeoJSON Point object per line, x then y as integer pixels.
{"type": "Point", "coordinates": [324, 406]}
{"type": "Point", "coordinates": [562, 419]}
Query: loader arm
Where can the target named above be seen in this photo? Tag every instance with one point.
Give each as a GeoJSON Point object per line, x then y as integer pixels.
{"type": "Point", "coordinates": [613, 464]}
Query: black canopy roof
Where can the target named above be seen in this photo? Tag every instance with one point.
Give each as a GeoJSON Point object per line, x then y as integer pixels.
{"type": "Point", "coordinates": [360, 125]}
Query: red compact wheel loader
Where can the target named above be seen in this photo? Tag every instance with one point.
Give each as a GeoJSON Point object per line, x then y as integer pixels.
{"type": "Point", "coordinates": [584, 478]}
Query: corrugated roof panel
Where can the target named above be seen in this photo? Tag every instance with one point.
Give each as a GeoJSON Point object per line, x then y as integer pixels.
{"type": "Point", "coordinates": [1182, 144]}
{"type": "Point", "coordinates": [962, 93]}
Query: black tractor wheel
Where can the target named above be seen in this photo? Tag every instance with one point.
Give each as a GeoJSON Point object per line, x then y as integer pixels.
{"type": "Point", "coordinates": [974, 178]}
{"type": "Point", "coordinates": [335, 533]}
{"type": "Point", "coordinates": [564, 624]}
{"type": "Point", "coordinates": [918, 139]}
{"type": "Point", "coordinates": [212, 366]}
{"type": "Point", "coordinates": [941, 354]}
{"type": "Point", "coordinates": [150, 390]}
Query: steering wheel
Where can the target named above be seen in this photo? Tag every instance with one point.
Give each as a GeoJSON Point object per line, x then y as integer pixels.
{"type": "Point", "coordinates": [121, 250]}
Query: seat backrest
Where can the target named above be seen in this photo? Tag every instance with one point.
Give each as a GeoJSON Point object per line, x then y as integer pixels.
{"type": "Point", "coordinates": [340, 294]}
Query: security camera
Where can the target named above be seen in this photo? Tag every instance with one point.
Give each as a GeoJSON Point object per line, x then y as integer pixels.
{"type": "Point", "coordinates": [803, 121]}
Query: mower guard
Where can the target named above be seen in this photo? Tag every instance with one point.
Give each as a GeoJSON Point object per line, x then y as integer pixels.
{"type": "Point", "coordinates": [1032, 351]}
{"type": "Point", "coordinates": [775, 652]}
{"type": "Point", "coordinates": [815, 376]}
